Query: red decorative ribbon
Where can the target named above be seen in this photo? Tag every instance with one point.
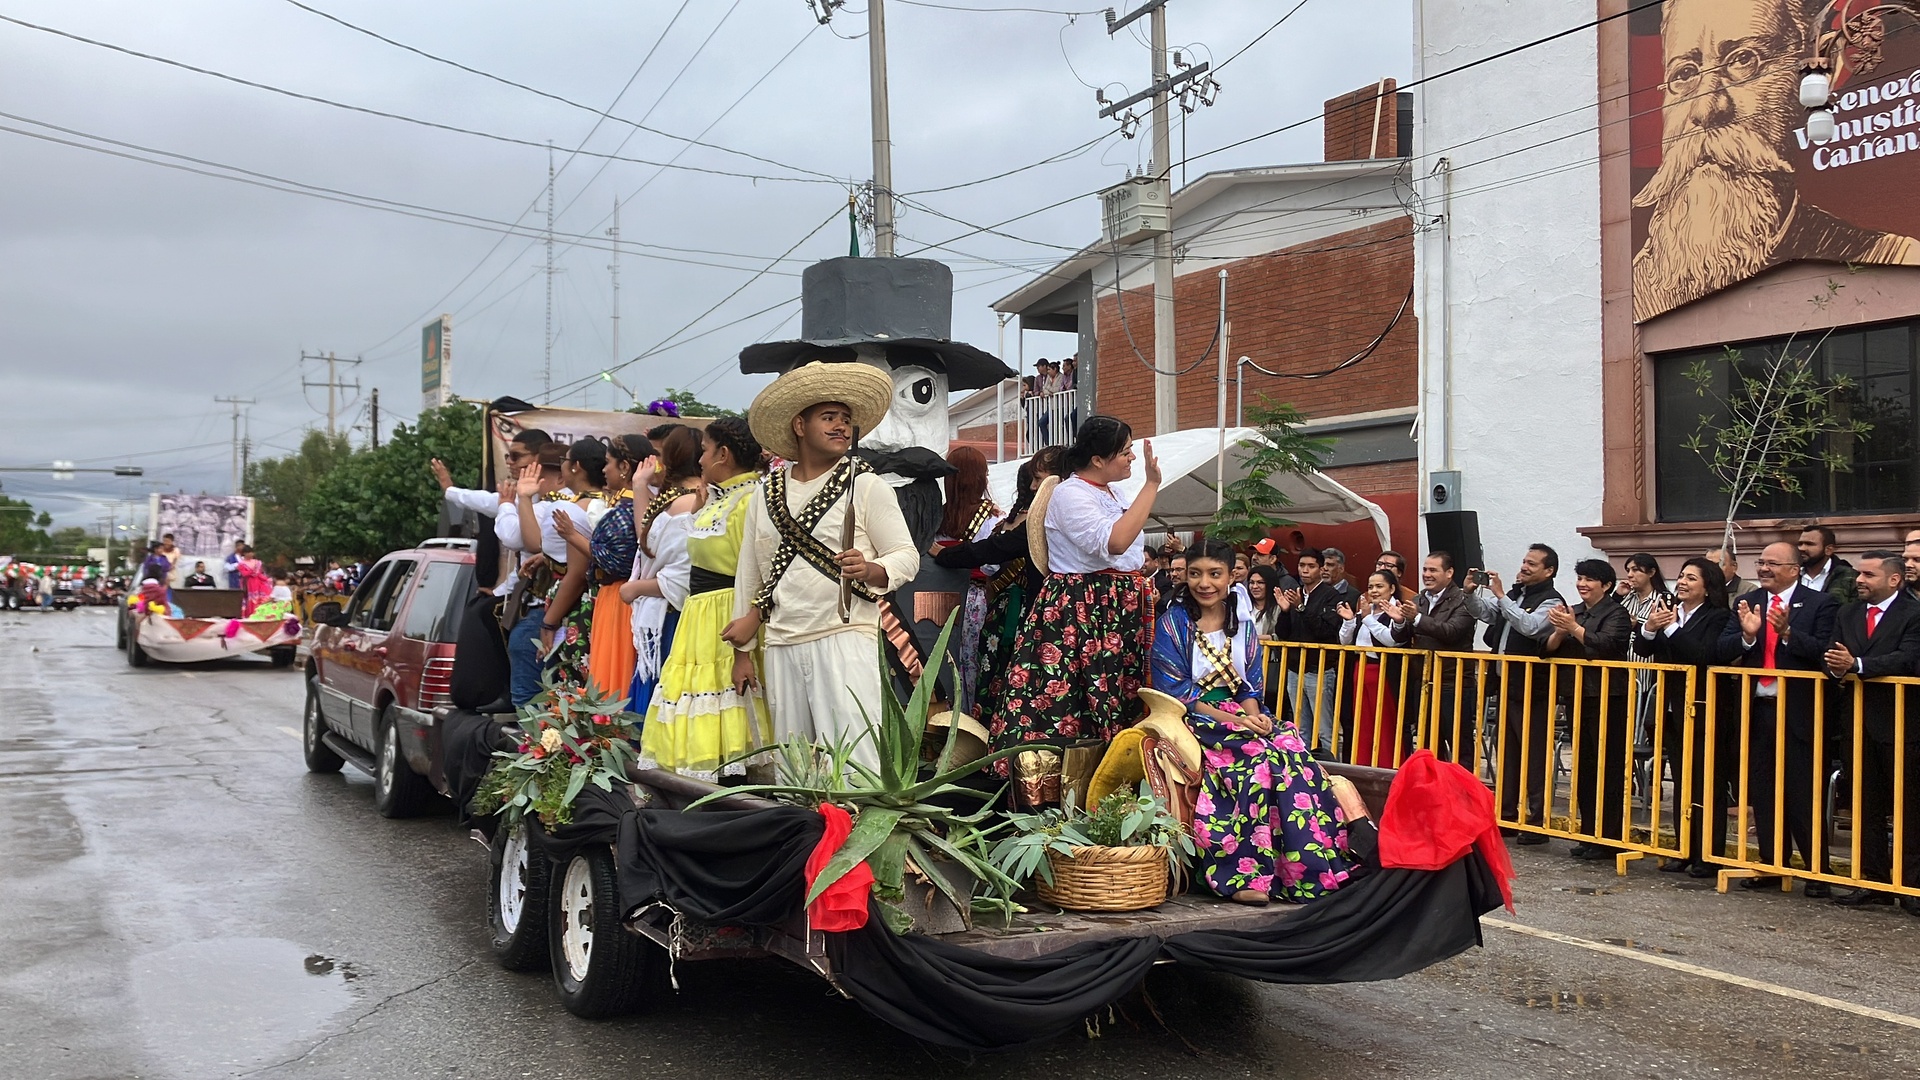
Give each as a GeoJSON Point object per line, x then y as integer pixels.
{"type": "Point", "coordinates": [843, 906]}
{"type": "Point", "coordinates": [1436, 812]}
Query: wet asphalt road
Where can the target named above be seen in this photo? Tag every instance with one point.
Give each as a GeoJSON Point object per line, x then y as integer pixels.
{"type": "Point", "coordinates": [181, 899]}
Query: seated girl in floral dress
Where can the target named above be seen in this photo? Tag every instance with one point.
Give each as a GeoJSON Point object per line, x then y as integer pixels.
{"type": "Point", "coordinates": [1266, 822]}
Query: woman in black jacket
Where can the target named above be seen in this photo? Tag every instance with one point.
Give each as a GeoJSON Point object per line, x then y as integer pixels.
{"type": "Point", "coordinates": [1685, 631]}
{"type": "Point", "coordinates": [1597, 628]}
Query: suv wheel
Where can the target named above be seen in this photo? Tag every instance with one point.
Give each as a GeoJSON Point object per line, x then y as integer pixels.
{"type": "Point", "coordinates": [282, 655]}
{"type": "Point", "coordinates": [119, 630]}
{"type": "Point", "coordinates": [320, 757]}
{"type": "Point", "coordinates": [517, 896]}
{"type": "Point", "coordinates": [398, 791]}
{"type": "Point", "coordinates": [600, 968]}
{"type": "Point", "coordinates": [136, 656]}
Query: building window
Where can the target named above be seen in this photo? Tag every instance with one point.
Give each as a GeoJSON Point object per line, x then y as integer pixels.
{"type": "Point", "coordinates": [1879, 362]}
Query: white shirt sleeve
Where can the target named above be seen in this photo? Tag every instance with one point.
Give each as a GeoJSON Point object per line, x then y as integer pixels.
{"type": "Point", "coordinates": [887, 531]}
{"type": "Point", "coordinates": [507, 528]}
{"type": "Point", "coordinates": [672, 563]}
{"type": "Point", "coordinates": [485, 503]}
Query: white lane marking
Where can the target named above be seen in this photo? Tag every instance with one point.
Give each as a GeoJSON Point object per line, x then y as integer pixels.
{"type": "Point", "coordinates": [1709, 973]}
{"type": "Point", "coordinates": [287, 731]}
{"type": "Point", "coordinates": [187, 675]}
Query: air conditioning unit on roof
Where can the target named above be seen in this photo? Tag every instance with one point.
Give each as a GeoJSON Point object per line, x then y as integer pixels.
{"type": "Point", "coordinates": [1135, 210]}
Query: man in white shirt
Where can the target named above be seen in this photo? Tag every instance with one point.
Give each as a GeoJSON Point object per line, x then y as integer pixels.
{"type": "Point", "coordinates": [529, 529]}
{"type": "Point", "coordinates": [821, 662]}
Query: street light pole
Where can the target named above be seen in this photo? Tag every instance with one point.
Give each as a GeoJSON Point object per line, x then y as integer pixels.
{"type": "Point", "coordinates": [882, 135]}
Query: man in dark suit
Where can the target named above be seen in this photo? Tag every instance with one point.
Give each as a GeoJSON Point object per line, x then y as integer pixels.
{"type": "Point", "coordinates": [1782, 625]}
{"type": "Point", "coordinates": [1442, 623]}
{"type": "Point", "coordinates": [1879, 634]}
{"type": "Point", "coordinates": [1312, 618]}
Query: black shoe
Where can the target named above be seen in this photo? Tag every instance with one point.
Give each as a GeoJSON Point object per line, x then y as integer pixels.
{"type": "Point", "coordinates": [1819, 890]}
{"type": "Point", "coordinates": [1764, 881]}
{"type": "Point", "coordinates": [1674, 866]}
{"type": "Point", "coordinates": [1509, 833]}
{"type": "Point", "coordinates": [1533, 839]}
{"type": "Point", "coordinates": [1598, 852]}
{"type": "Point", "coordinates": [1702, 870]}
{"type": "Point", "coordinates": [1581, 850]}
{"type": "Point", "coordinates": [1863, 897]}
{"type": "Point", "coordinates": [1911, 905]}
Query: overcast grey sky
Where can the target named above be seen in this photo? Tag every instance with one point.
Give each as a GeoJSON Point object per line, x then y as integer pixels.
{"type": "Point", "coordinates": [131, 295]}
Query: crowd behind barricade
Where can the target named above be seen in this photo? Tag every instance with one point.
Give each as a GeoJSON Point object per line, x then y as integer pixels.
{"type": "Point", "coordinates": [707, 576]}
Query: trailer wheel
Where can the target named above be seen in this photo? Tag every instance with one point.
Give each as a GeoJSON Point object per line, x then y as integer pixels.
{"type": "Point", "coordinates": [320, 757]}
{"type": "Point", "coordinates": [136, 656]}
{"type": "Point", "coordinates": [599, 967]}
{"type": "Point", "coordinates": [398, 791]}
{"type": "Point", "coordinates": [517, 893]}
{"type": "Point", "coordinates": [282, 656]}
{"type": "Point", "coordinates": [120, 631]}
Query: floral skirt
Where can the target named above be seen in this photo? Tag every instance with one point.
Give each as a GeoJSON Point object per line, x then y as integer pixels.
{"type": "Point", "coordinates": [695, 721]}
{"type": "Point", "coordinates": [1266, 820]}
{"type": "Point", "coordinates": [610, 654]}
{"type": "Point", "coordinates": [572, 658]}
{"type": "Point", "coordinates": [1078, 660]}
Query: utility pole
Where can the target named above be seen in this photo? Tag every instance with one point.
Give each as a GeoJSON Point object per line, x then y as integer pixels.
{"type": "Point", "coordinates": [614, 267]}
{"type": "Point", "coordinates": [374, 426]}
{"type": "Point", "coordinates": [882, 130]}
{"type": "Point", "coordinates": [333, 384]}
{"type": "Point", "coordinates": [236, 403]}
{"type": "Point", "coordinates": [546, 369]}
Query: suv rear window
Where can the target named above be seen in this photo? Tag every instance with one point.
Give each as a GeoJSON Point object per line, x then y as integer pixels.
{"type": "Point", "coordinates": [358, 608]}
{"type": "Point", "coordinates": [434, 612]}
{"type": "Point", "coordinates": [386, 607]}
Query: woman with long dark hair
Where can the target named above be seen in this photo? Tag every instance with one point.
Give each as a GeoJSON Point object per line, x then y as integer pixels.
{"type": "Point", "coordinates": [1080, 653]}
{"type": "Point", "coordinates": [1686, 630]}
{"type": "Point", "coordinates": [570, 611]}
{"type": "Point", "coordinates": [1377, 740]}
{"type": "Point", "coordinates": [969, 515]}
{"type": "Point", "coordinates": [1266, 822]}
{"type": "Point", "coordinates": [697, 720]}
{"type": "Point", "coordinates": [657, 586]}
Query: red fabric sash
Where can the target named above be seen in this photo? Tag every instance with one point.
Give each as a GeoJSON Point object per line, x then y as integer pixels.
{"type": "Point", "coordinates": [844, 905]}
{"type": "Point", "coordinates": [1436, 812]}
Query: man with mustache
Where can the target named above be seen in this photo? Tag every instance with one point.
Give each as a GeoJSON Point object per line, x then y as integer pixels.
{"type": "Point", "coordinates": [1725, 202]}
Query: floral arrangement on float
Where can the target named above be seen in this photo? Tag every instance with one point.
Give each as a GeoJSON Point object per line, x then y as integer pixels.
{"type": "Point", "coordinates": [569, 737]}
{"type": "Point", "coordinates": [1120, 856]}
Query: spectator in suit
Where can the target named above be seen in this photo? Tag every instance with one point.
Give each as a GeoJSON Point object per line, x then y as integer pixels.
{"type": "Point", "coordinates": [1442, 623]}
{"type": "Point", "coordinates": [1782, 625]}
{"type": "Point", "coordinates": [1517, 626]}
{"type": "Point", "coordinates": [1729, 569]}
{"type": "Point", "coordinates": [1597, 628]}
{"type": "Point", "coordinates": [1879, 634]}
{"type": "Point", "coordinates": [1821, 569]}
{"type": "Point", "coordinates": [1910, 556]}
{"type": "Point", "coordinates": [1312, 619]}
{"type": "Point", "coordinates": [1686, 630]}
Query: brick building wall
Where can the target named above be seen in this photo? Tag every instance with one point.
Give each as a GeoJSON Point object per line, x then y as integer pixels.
{"type": "Point", "coordinates": [1363, 124]}
{"type": "Point", "coordinates": [1298, 310]}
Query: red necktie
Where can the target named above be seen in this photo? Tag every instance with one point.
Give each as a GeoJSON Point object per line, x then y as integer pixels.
{"type": "Point", "coordinates": [1772, 640]}
{"type": "Point", "coordinates": [1873, 619]}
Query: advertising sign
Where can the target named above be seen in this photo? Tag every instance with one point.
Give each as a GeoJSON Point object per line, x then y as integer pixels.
{"type": "Point", "coordinates": [1726, 182]}
{"type": "Point", "coordinates": [436, 363]}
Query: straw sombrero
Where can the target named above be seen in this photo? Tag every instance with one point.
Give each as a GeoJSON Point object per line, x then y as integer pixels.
{"type": "Point", "coordinates": [864, 389]}
{"type": "Point", "coordinates": [1037, 524]}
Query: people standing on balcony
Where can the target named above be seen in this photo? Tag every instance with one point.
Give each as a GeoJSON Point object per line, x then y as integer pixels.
{"type": "Point", "coordinates": [1013, 584]}
{"type": "Point", "coordinates": [1879, 634]}
{"type": "Point", "coordinates": [1597, 628]}
{"type": "Point", "coordinates": [1070, 373]}
{"type": "Point", "coordinates": [1518, 626]}
{"type": "Point", "coordinates": [1312, 620]}
{"type": "Point", "coordinates": [1440, 622]}
{"type": "Point", "coordinates": [1823, 570]}
{"type": "Point", "coordinates": [1782, 625]}
{"type": "Point", "coordinates": [1080, 654]}
{"type": "Point", "coordinates": [1377, 677]}
{"type": "Point", "coordinates": [1686, 630]}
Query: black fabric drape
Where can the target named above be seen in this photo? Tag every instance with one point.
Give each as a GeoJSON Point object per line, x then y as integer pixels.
{"type": "Point", "coordinates": [953, 996]}
{"type": "Point", "coordinates": [467, 742]}
{"type": "Point", "coordinates": [479, 678]}
{"type": "Point", "coordinates": [739, 867]}
{"type": "Point", "coordinates": [1388, 924]}
{"type": "Point", "coordinates": [596, 820]}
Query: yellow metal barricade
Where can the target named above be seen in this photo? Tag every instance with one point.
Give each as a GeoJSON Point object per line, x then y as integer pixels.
{"type": "Point", "coordinates": [1349, 698]}
{"type": "Point", "coordinates": [1786, 744]}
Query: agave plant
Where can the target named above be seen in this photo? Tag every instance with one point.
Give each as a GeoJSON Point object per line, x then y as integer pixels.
{"type": "Point", "coordinates": [897, 830]}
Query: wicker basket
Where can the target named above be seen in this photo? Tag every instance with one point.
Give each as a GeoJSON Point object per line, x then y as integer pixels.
{"type": "Point", "coordinates": [1106, 879]}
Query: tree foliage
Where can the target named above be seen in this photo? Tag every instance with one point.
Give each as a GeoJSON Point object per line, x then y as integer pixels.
{"type": "Point", "coordinates": [376, 501]}
{"type": "Point", "coordinates": [1775, 417]}
{"type": "Point", "coordinates": [692, 406]}
{"type": "Point", "coordinates": [1253, 506]}
{"type": "Point", "coordinates": [22, 530]}
{"type": "Point", "coordinates": [281, 485]}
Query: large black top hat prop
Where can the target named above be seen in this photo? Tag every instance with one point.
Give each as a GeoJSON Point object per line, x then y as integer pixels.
{"type": "Point", "coordinates": [905, 305]}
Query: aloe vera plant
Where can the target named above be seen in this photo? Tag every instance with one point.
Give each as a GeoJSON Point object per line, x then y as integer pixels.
{"type": "Point", "coordinates": [897, 831]}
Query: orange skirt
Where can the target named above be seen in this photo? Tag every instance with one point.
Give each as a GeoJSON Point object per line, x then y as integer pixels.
{"type": "Point", "coordinates": [610, 655]}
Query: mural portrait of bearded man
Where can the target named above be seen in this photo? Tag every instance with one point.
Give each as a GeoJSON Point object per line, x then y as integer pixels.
{"type": "Point", "coordinates": [1724, 199]}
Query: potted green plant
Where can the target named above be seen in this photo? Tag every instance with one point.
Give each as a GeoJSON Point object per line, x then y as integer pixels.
{"type": "Point", "coordinates": [931, 865]}
{"type": "Point", "coordinates": [1118, 857]}
{"type": "Point", "coordinates": [570, 737]}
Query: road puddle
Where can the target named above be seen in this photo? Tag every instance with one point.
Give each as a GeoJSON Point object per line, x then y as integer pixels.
{"type": "Point", "coordinates": [1562, 1000]}
{"type": "Point", "coordinates": [212, 1008]}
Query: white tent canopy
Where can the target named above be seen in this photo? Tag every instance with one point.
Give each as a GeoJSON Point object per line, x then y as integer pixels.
{"type": "Point", "coordinates": [1187, 496]}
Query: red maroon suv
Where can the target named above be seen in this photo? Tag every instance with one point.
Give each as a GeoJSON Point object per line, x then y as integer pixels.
{"type": "Point", "coordinates": [380, 666]}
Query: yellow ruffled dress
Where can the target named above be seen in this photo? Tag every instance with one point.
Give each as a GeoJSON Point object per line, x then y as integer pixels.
{"type": "Point", "coordinates": [696, 721]}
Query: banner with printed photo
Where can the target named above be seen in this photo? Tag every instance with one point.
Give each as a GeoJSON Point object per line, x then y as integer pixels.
{"type": "Point", "coordinates": [1726, 182]}
{"type": "Point", "coordinates": [204, 527]}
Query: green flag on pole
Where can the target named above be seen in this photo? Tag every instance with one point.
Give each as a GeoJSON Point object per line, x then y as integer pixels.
{"type": "Point", "coordinates": [853, 228]}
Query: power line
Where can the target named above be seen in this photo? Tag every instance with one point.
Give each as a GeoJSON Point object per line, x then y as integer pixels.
{"type": "Point", "coordinates": [368, 111]}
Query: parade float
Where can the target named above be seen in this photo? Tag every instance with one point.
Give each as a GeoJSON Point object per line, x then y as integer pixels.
{"type": "Point", "coordinates": [198, 625]}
